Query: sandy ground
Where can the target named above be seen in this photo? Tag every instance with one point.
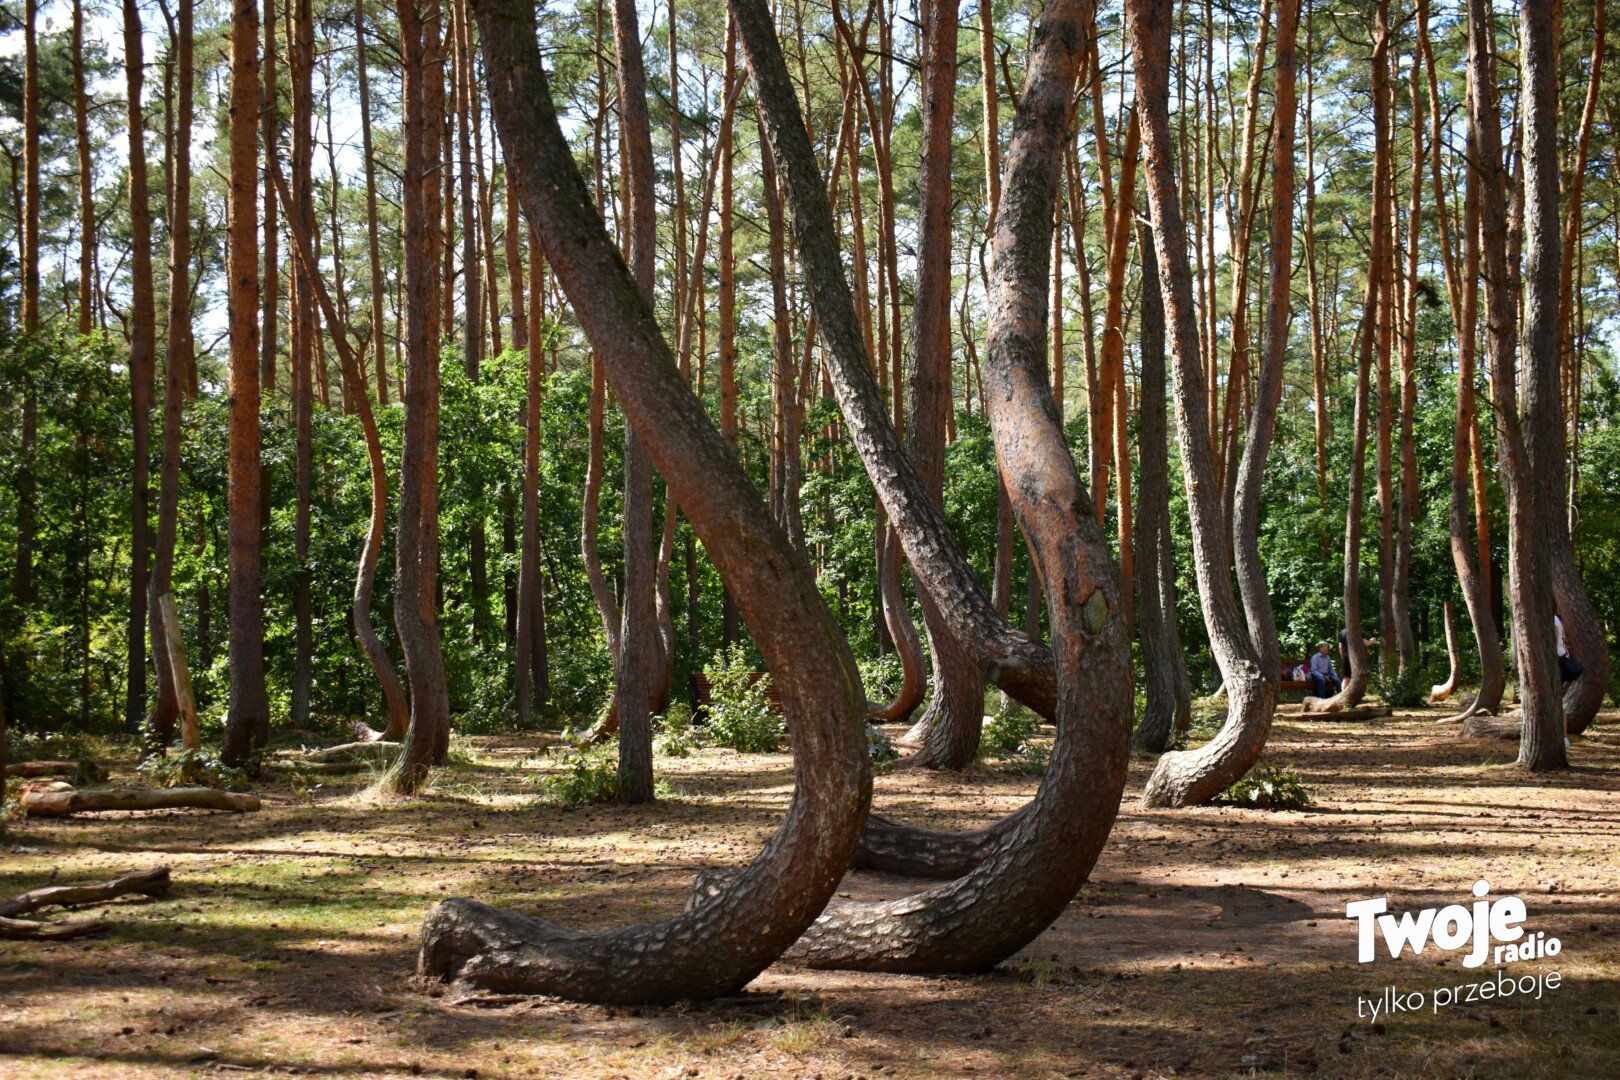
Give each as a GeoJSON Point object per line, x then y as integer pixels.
{"type": "Point", "coordinates": [1209, 942]}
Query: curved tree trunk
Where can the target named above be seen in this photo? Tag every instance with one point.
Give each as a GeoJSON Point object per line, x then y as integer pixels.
{"type": "Point", "coordinates": [719, 944]}
{"type": "Point", "coordinates": [1169, 690]}
{"type": "Point", "coordinates": [1247, 663]}
{"type": "Point", "coordinates": [974, 922]}
{"type": "Point", "coordinates": [366, 575]}
{"type": "Point", "coordinates": [1441, 691]}
{"type": "Point", "coordinates": [904, 632]}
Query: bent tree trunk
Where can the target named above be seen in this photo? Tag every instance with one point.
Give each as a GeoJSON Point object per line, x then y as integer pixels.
{"type": "Point", "coordinates": [1190, 777]}
{"type": "Point", "coordinates": [719, 944]}
{"type": "Point", "coordinates": [903, 631]}
{"type": "Point", "coordinates": [981, 918]}
{"type": "Point", "coordinates": [382, 665]}
{"type": "Point", "coordinates": [1169, 689]}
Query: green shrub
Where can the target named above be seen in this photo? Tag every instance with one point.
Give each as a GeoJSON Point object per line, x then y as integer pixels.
{"type": "Point", "coordinates": [740, 713]}
{"type": "Point", "coordinates": [882, 676]}
{"type": "Point", "coordinates": [197, 768]}
{"type": "Point", "coordinates": [589, 775]}
{"type": "Point", "coordinates": [1267, 787]}
{"type": "Point", "coordinates": [672, 732]}
{"type": "Point", "coordinates": [1407, 689]}
{"type": "Point", "coordinates": [1009, 730]}
{"type": "Point", "coordinates": [880, 749]}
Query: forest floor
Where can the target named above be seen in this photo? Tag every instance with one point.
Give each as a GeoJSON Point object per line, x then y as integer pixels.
{"type": "Point", "coordinates": [1209, 942]}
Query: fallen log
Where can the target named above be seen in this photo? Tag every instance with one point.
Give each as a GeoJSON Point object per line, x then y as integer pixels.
{"type": "Point", "coordinates": [1313, 707]}
{"type": "Point", "coordinates": [354, 751]}
{"type": "Point", "coordinates": [63, 803]}
{"type": "Point", "coordinates": [146, 882]}
{"type": "Point", "coordinates": [42, 768]}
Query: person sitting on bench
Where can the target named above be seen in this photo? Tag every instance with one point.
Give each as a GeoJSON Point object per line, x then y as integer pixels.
{"type": "Point", "coordinates": [1322, 675]}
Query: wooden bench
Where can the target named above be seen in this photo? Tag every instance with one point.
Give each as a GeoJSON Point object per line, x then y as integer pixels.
{"type": "Point", "coordinates": [1287, 684]}
{"type": "Point", "coordinates": [703, 690]}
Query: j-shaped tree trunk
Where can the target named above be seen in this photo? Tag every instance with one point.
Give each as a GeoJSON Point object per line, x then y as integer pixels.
{"type": "Point", "coordinates": [1169, 689]}
{"type": "Point", "coordinates": [1541, 556]}
{"type": "Point", "coordinates": [949, 729]}
{"type": "Point", "coordinates": [907, 645]}
{"type": "Point", "coordinates": [979, 919]}
{"type": "Point", "coordinates": [382, 665]}
{"type": "Point", "coordinates": [1246, 656]}
{"type": "Point", "coordinates": [721, 942]}
{"type": "Point", "coordinates": [416, 546]}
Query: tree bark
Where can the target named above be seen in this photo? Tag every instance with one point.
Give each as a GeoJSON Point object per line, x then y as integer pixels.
{"type": "Point", "coordinates": [1539, 556]}
{"type": "Point", "coordinates": [270, 133]}
{"type": "Point", "coordinates": [416, 547]}
{"type": "Point", "coordinates": [379, 350]}
{"type": "Point", "coordinates": [301, 214]}
{"type": "Point", "coordinates": [87, 200]}
{"type": "Point", "coordinates": [1168, 714]}
{"type": "Point", "coordinates": [973, 923]}
{"type": "Point", "coordinates": [718, 944]}
{"type": "Point", "coordinates": [90, 800]}
{"type": "Point", "coordinates": [142, 358]}
{"type": "Point", "coordinates": [177, 368]}
{"type": "Point", "coordinates": [949, 729]}
{"type": "Point", "coordinates": [640, 648]}
{"type": "Point", "coordinates": [1191, 777]}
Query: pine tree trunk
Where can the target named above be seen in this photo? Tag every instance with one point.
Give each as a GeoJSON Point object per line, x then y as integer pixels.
{"type": "Point", "coordinates": [269, 136]}
{"type": "Point", "coordinates": [379, 348]}
{"type": "Point", "coordinates": [142, 360]}
{"type": "Point", "coordinates": [723, 939]}
{"type": "Point", "coordinates": [1539, 557]}
{"type": "Point", "coordinates": [248, 712]}
{"type": "Point", "coordinates": [1168, 714]}
{"type": "Point", "coordinates": [301, 213]}
{"type": "Point", "coordinates": [87, 199]}
{"type": "Point", "coordinates": [416, 544]}
{"type": "Point", "coordinates": [177, 368]}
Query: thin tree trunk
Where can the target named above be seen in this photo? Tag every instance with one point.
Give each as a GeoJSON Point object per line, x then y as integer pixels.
{"type": "Point", "coordinates": [87, 207]}
{"type": "Point", "coordinates": [378, 340]}
{"type": "Point", "coordinates": [382, 666]}
{"type": "Point", "coordinates": [1168, 714]}
{"type": "Point", "coordinates": [301, 212]}
{"type": "Point", "coordinates": [269, 135]}
{"type": "Point", "coordinates": [729, 631]}
{"type": "Point", "coordinates": [640, 648]}
{"type": "Point", "coordinates": [248, 712]}
{"type": "Point", "coordinates": [142, 358]}
{"type": "Point", "coordinates": [1408, 508]}
{"type": "Point", "coordinates": [416, 548]}
{"type": "Point", "coordinates": [177, 367]}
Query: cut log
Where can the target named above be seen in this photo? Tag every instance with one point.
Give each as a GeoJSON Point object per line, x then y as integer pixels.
{"type": "Point", "coordinates": [1492, 727]}
{"type": "Point", "coordinates": [1325, 708]}
{"type": "Point", "coordinates": [63, 803]}
{"type": "Point", "coordinates": [146, 882]}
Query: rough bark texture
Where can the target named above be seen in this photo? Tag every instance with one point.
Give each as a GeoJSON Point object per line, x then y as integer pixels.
{"type": "Point", "coordinates": [142, 352]}
{"type": "Point", "coordinates": [416, 548]}
{"type": "Point", "coordinates": [1191, 777]}
{"type": "Point", "coordinates": [1539, 543]}
{"type": "Point", "coordinates": [719, 944]}
{"type": "Point", "coordinates": [248, 713]}
{"type": "Point", "coordinates": [979, 919]}
{"type": "Point", "coordinates": [640, 647]}
{"type": "Point", "coordinates": [950, 727]}
{"type": "Point", "coordinates": [1169, 690]}
{"type": "Point", "coordinates": [176, 369]}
